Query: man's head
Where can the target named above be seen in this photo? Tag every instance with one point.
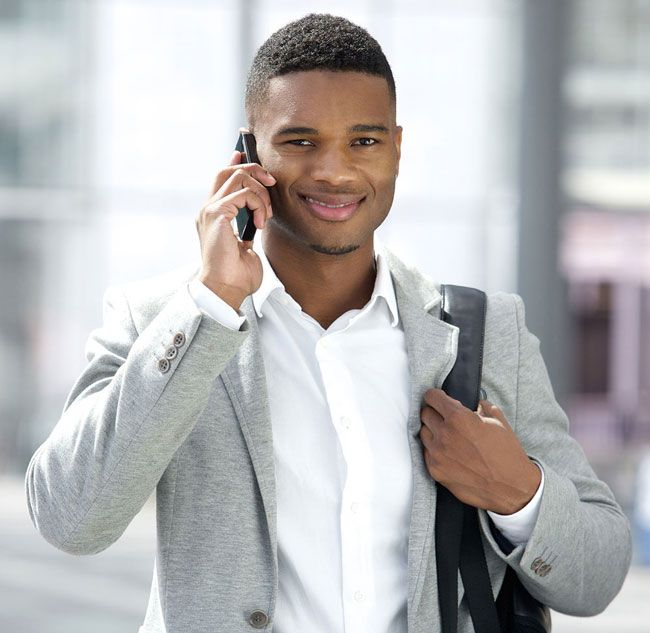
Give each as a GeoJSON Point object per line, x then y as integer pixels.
{"type": "Point", "coordinates": [320, 100]}
{"type": "Point", "coordinates": [314, 42]}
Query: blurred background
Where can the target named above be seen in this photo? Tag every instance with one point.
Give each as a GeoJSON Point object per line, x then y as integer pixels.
{"type": "Point", "coordinates": [525, 167]}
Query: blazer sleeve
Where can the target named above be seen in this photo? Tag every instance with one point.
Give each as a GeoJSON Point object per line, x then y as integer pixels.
{"type": "Point", "coordinates": [124, 419]}
{"type": "Point", "coordinates": [579, 552]}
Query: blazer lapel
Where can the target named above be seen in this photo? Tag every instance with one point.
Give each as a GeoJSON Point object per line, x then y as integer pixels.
{"type": "Point", "coordinates": [431, 346]}
{"type": "Point", "coordinates": [245, 382]}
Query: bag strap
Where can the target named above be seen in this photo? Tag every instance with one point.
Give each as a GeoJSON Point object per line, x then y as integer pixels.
{"type": "Point", "coordinates": [458, 538]}
{"type": "Point", "coordinates": [465, 308]}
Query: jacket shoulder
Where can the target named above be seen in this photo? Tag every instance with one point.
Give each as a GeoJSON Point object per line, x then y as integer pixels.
{"type": "Point", "coordinates": [146, 297]}
{"type": "Point", "coordinates": [504, 305]}
{"type": "Point", "coordinates": [504, 315]}
{"type": "Point", "coordinates": [411, 282]}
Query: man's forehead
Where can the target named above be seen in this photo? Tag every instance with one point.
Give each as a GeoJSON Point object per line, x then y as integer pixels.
{"type": "Point", "coordinates": [306, 97]}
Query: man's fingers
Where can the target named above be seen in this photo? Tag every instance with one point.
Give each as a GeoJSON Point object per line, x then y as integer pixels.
{"type": "Point", "coordinates": [241, 179]}
{"type": "Point", "coordinates": [431, 418]}
{"type": "Point", "coordinates": [256, 171]}
{"type": "Point", "coordinates": [426, 435]}
{"type": "Point", "coordinates": [219, 179]}
{"type": "Point", "coordinates": [230, 204]}
{"type": "Point", "coordinates": [441, 402]}
{"type": "Point", "coordinates": [488, 410]}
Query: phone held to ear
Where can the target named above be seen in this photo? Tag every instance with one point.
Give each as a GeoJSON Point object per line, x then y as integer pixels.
{"type": "Point", "coordinates": [246, 144]}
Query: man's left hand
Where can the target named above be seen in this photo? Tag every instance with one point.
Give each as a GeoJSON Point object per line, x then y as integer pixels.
{"type": "Point", "coordinates": [476, 455]}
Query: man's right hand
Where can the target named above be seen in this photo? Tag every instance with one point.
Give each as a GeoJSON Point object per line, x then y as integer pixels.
{"type": "Point", "coordinates": [230, 267]}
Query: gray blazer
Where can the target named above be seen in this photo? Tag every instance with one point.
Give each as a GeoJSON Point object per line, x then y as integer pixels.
{"type": "Point", "coordinates": [197, 430]}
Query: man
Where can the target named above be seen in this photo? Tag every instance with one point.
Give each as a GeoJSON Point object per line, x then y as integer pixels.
{"type": "Point", "coordinates": [284, 401]}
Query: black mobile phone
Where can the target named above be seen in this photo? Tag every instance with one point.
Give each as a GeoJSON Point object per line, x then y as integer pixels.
{"type": "Point", "coordinates": [245, 225]}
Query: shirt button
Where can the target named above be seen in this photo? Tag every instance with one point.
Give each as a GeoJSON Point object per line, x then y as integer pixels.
{"type": "Point", "coordinates": [171, 352]}
{"type": "Point", "coordinates": [323, 343]}
{"type": "Point", "coordinates": [347, 423]}
{"type": "Point", "coordinates": [358, 596]}
{"type": "Point", "coordinates": [354, 507]}
{"type": "Point", "coordinates": [163, 365]}
{"type": "Point", "coordinates": [258, 619]}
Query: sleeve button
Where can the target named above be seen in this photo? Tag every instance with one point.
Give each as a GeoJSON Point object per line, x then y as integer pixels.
{"type": "Point", "coordinates": [258, 619]}
{"type": "Point", "coordinates": [179, 339]}
{"type": "Point", "coordinates": [536, 564]}
{"type": "Point", "coordinates": [163, 365]}
{"type": "Point", "coordinates": [171, 352]}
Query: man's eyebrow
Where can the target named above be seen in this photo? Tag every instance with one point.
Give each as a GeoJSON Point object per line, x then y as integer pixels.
{"type": "Point", "coordinates": [296, 130]}
{"type": "Point", "coordinates": [361, 127]}
{"type": "Point", "coordinates": [368, 128]}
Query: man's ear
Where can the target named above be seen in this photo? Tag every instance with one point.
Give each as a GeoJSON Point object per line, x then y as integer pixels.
{"type": "Point", "coordinates": [398, 146]}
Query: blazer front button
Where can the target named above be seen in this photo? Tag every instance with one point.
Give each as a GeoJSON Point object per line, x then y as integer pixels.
{"type": "Point", "coordinates": [170, 352]}
{"type": "Point", "coordinates": [163, 365]}
{"type": "Point", "coordinates": [258, 619]}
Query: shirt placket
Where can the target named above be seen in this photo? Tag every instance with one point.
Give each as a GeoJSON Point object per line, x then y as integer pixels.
{"type": "Point", "coordinates": [356, 513]}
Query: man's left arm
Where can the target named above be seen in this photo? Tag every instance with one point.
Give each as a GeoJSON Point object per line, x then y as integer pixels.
{"type": "Point", "coordinates": [575, 556]}
{"type": "Point", "coordinates": [579, 551]}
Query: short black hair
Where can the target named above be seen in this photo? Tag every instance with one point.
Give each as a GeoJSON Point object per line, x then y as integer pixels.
{"type": "Point", "coordinates": [318, 41]}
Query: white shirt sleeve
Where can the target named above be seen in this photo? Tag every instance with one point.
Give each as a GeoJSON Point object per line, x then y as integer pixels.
{"type": "Point", "coordinates": [214, 306]}
{"type": "Point", "coordinates": [518, 527]}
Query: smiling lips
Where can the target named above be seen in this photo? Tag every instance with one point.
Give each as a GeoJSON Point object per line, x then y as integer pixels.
{"type": "Point", "coordinates": [333, 208]}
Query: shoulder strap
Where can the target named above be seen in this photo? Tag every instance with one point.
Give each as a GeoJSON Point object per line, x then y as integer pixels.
{"type": "Point", "coordinates": [458, 539]}
{"type": "Point", "coordinates": [465, 308]}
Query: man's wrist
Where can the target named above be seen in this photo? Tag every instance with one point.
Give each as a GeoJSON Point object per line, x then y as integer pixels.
{"type": "Point", "coordinates": [214, 306]}
{"type": "Point", "coordinates": [533, 482]}
{"type": "Point", "coordinates": [231, 295]}
{"type": "Point", "coordinates": [518, 527]}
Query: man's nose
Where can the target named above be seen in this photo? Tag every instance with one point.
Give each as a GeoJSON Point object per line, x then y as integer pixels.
{"type": "Point", "coordinates": [333, 166]}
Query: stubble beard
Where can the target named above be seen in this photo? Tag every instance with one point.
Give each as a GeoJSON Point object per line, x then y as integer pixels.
{"type": "Point", "coordinates": [324, 249]}
{"type": "Point", "coordinates": [334, 250]}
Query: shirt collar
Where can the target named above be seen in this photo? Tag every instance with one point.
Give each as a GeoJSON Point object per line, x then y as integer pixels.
{"type": "Point", "coordinates": [270, 281]}
{"type": "Point", "coordinates": [271, 285]}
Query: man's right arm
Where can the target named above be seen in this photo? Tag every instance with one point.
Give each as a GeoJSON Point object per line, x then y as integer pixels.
{"type": "Point", "coordinates": [124, 419]}
{"type": "Point", "coordinates": [142, 392]}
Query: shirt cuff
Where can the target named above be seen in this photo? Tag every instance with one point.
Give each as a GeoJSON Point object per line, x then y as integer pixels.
{"type": "Point", "coordinates": [518, 527]}
{"type": "Point", "coordinates": [214, 306]}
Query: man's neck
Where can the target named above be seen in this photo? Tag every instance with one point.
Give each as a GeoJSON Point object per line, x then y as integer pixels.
{"type": "Point", "coordinates": [325, 286]}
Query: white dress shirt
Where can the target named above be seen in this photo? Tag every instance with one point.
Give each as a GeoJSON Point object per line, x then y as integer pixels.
{"type": "Point", "coordinates": [339, 404]}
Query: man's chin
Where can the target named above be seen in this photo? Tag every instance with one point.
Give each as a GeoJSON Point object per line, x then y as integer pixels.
{"type": "Point", "coordinates": [334, 250]}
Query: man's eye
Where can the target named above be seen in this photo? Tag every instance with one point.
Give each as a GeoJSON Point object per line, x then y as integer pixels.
{"type": "Point", "coordinates": [301, 142]}
{"type": "Point", "coordinates": [366, 141]}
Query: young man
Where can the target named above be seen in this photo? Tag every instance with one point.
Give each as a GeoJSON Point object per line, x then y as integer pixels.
{"type": "Point", "coordinates": [284, 402]}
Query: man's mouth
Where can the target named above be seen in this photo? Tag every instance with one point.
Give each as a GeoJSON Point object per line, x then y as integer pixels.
{"type": "Point", "coordinates": [332, 208]}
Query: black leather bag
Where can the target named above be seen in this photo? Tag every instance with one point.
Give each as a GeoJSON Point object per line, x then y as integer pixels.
{"type": "Point", "coordinates": [458, 537]}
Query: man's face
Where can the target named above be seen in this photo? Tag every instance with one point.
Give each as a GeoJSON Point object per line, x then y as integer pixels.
{"type": "Point", "coordinates": [331, 141]}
